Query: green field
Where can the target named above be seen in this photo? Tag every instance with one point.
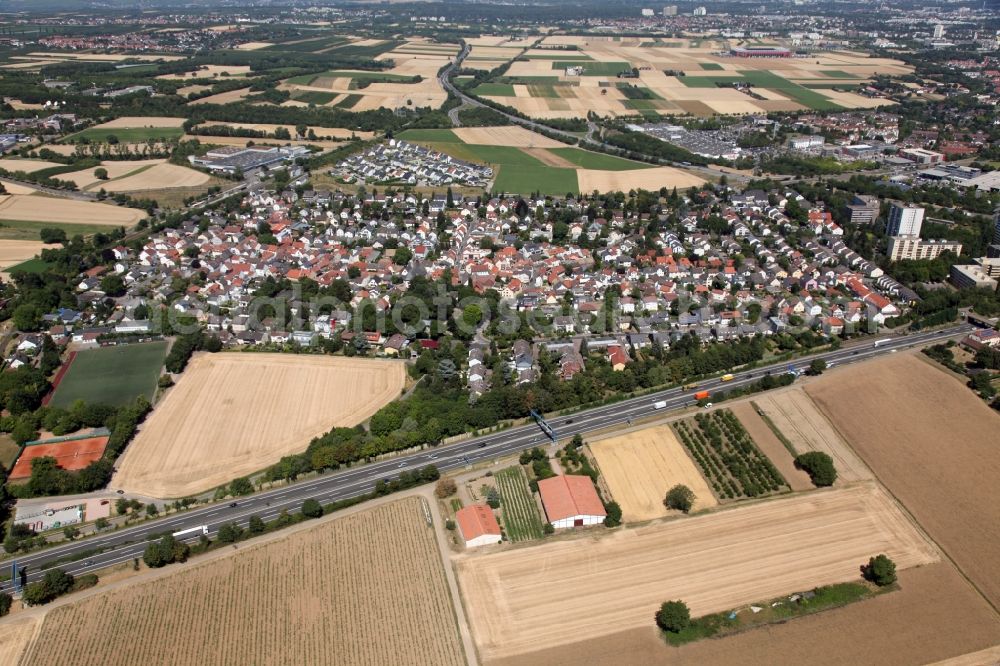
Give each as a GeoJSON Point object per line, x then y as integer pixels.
{"type": "Point", "coordinates": [594, 68]}
{"type": "Point", "coordinates": [518, 509]}
{"type": "Point", "coordinates": [315, 97]}
{"type": "Point", "coordinates": [494, 89]}
{"type": "Point", "coordinates": [442, 135]}
{"type": "Point", "coordinates": [366, 51]}
{"type": "Point", "coordinates": [710, 66]}
{"type": "Point", "coordinates": [35, 265]}
{"type": "Point", "coordinates": [309, 45]}
{"type": "Point", "coordinates": [348, 102]}
{"type": "Point", "coordinates": [8, 451]}
{"type": "Point", "coordinates": [30, 229]}
{"type": "Point", "coordinates": [112, 375]}
{"type": "Point", "coordinates": [588, 160]}
{"type": "Point", "coordinates": [839, 74]}
{"type": "Point", "coordinates": [544, 179]}
{"type": "Point", "coordinates": [125, 135]}
{"type": "Point", "coordinates": [769, 80]}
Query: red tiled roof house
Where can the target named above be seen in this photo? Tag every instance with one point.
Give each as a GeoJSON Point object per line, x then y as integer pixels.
{"type": "Point", "coordinates": [478, 525]}
{"type": "Point", "coordinates": [571, 501]}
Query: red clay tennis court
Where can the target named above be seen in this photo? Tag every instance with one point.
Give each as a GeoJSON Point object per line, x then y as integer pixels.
{"type": "Point", "coordinates": [70, 455]}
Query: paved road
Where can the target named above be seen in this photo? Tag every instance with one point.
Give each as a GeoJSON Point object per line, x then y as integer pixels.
{"type": "Point", "coordinates": [128, 543]}
{"type": "Point", "coordinates": [79, 195]}
{"type": "Point", "coordinates": [445, 79]}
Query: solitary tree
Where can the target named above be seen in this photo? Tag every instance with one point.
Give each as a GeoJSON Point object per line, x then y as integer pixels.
{"type": "Point", "coordinates": [819, 467]}
{"type": "Point", "coordinates": [880, 570]}
{"type": "Point", "coordinates": [100, 173]}
{"type": "Point", "coordinates": [680, 498]}
{"type": "Point", "coordinates": [817, 366]}
{"type": "Point", "coordinates": [256, 525]}
{"type": "Point", "coordinates": [673, 616]}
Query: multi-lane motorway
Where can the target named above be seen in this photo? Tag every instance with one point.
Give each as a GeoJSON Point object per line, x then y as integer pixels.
{"type": "Point", "coordinates": [125, 544]}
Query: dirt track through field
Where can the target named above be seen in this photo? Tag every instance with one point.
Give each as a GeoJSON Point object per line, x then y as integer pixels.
{"type": "Point", "coordinates": [934, 445]}
{"type": "Point", "coordinates": [367, 588]}
{"type": "Point", "coordinates": [771, 446]}
{"type": "Point", "coordinates": [800, 421]}
{"type": "Point", "coordinates": [600, 583]}
{"type": "Point", "coordinates": [641, 466]}
{"type": "Point", "coordinates": [231, 414]}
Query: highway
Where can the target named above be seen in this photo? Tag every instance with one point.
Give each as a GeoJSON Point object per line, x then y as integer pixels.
{"type": "Point", "coordinates": [445, 80]}
{"type": "Point", "coordinates": [127, 543]}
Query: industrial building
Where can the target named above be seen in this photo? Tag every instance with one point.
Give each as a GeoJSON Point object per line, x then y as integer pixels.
{"type": "Point", "coordinates": [912, 247]}
{"type": "Point", "coordinates": [921, 156]}
{"type": "Point", "coordinates": [982, 275]}
{"type": "Point", "coordinates": [230, 159]}
{"type": "Point", "coordinates": [905, 220]}
{"type": "Point", "coordinates": [571, 501]}
{"type": "Point", "coordinates": [760, 52]}
{"type": "Point", "coordinates": [863, 209]}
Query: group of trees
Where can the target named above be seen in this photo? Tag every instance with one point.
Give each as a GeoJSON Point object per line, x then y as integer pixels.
{"type": "Point", "coordinates": [54, 583]}
{"type": "Point", "coordinates": [819, 466]}
{"type": "Point", "coordinates": [166, 550]}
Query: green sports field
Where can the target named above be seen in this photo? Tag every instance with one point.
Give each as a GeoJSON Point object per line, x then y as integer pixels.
{"type": "Point", "coordinates": [112, 375]}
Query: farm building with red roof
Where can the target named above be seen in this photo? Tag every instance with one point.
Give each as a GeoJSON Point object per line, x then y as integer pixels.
{"type": "Point", "coordinates": [571, 501]}
{"type": "Point", "coordinates": [478, 525]}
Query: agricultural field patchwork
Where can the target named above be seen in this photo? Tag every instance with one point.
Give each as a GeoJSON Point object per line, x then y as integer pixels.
{"type": "Point", "coordinates": [366, 588]}
{"type": "Point", "coordinates": [618, 77]}
{"type": "Point", "coordinates": [111, 375]}
{"type": "Point", "coordinates": [527, 162]}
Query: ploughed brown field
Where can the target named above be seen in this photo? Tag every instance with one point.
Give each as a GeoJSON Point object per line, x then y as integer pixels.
{"type": "Point", "coordinates": [935, 446]}
{"type": "Point", "coordinates": [601, 583]}
{"type": "Point", "coordinates": [366, 588]}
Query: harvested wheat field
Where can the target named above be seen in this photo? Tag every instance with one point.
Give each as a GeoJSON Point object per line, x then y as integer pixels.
{"type": "Point", "coordinates": [16, 188]}
{"type": "Point", "coordinates": [647, 179]}
{"type": "Point", "coordinates": [933, 616]}
{"type": "Point", "coordinates": [14, 164]}
{"type": "Point", "coordinates": [85, 178]}
{"type": "Point", "coordinates": [16, 635]}
{"type": "Point", "coordinates": [640, 467]}
{"type": "Point", "coordinates": [933, 444]}
{"type": "Point", "coordinates": [771, 446]}
{"type": "Point", "coordinates": [132, 122]}
{"type": "Point", "coordinates": [158, 176]}
{"type": "Point", "coordinates": [367, 588]}
{"type": "Point", "coordinates": [514, 136]}
{"type": "Point", "coordinates": [35, 208]}
{"type": "Point", "coordinates": [599, 584]}
{"type": "Point", "coordinates": [796, 416]}
{"type": "Point", "coordinates": [232, 414]}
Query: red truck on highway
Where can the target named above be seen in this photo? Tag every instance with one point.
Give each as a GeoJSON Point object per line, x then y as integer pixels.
{"type": "Point", "coordinates": [701, 395]}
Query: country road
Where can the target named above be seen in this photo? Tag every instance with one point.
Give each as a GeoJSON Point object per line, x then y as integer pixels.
{"type": "Point", "coordinates": [125, 544]}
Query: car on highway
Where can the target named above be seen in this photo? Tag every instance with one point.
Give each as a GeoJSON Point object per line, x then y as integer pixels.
{"type": "Point", "coordinates": [232, 505]}
{"type": "Point", "coordinates": [481, 445]}
{"type": "Point", "coordinates": [568, 421]}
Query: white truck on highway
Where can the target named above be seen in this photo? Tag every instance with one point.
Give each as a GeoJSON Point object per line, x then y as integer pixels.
{"type": "Point", "coordinates": [192, 531]}
{"type": "Point", "coordinates": [659, 404]}
{"type": "Point", "coordinates": [882, 341]}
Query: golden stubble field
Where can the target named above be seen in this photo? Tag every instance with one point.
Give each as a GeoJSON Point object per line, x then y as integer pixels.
{"type": "Point", "coordinates": [38, 208]}
{"type": "Point", "coordinates": [640, 467]}
{"type": "Point", "coordinates": [367, 588]}
{"type": "Point", "coordinates": [598, 584]}
{"type": "Point", "coordinates": [935, 446]}
{"type": "Point", "coordinates": [232, 414]}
